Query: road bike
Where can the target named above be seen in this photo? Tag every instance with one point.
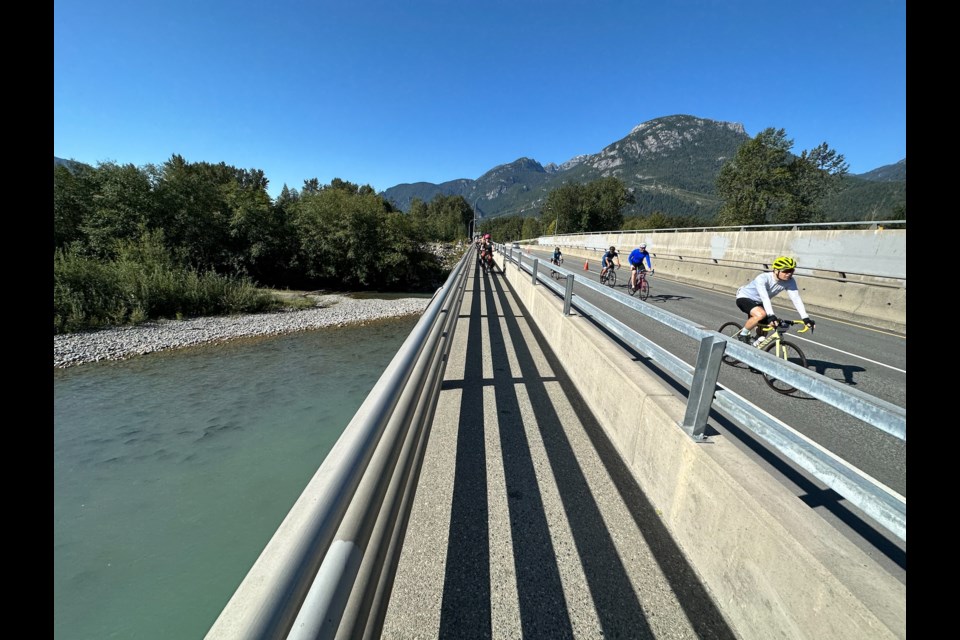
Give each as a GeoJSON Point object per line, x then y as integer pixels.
{"type": "Point", "coordinates": [643, 287]}
{"type": "Point", "coordinates": [610, 277]}
{"type": "Point", "coordinates": [558, 262]}
{"type": "Point", "coordinates": [774, 344]}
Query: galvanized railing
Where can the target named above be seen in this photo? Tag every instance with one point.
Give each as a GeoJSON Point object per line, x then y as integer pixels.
{"type": "Point", "coordinates": [879, 502]}
{"type": "Point", "coordinates": [867, 224]}
{"type": "Point", "coordinates": [328, 570]}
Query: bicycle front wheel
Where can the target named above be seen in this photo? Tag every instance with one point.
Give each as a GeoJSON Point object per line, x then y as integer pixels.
{"type": "Point", "coordinates": [786, 351]}
{"type": "Point", "coordinates": [644, 289]}
{"type": "Point", "coordinates": [611, 278]}
{"type": "Point", "coordinates": [730, 329]}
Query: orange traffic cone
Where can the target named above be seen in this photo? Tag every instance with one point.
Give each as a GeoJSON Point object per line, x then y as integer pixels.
{"type": "Point", "coordinates": [586, 265]}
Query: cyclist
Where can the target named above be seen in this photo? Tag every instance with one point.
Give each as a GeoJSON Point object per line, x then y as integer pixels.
{"type": "Point", "coordinates": [753, 298]}
{"type": "Point", "coordinates": [486, 252]}
{"type": "Point", "coordinates": [556, 256]}
{"type": "Point", "coordinates": [636, 258]}
{"type": "Point", "coordinates": [608, 259]}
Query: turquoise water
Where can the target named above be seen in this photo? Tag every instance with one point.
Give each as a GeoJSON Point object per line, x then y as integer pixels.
{"type": "Point", "coordinates": [173, 470]}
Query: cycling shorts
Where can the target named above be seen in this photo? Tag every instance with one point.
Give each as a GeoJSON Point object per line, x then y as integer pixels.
{"type": "Point", "coordinates": [747, 304]}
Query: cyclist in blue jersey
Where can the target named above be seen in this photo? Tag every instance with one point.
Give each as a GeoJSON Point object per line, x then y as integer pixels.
{"type": "Point", "coordinates": [556, 256]}
{"type": "Point", "coordinates": [608, 259]}
{"type": "Point", "coordinates": [753, 298]}
{"type": "Point", "coordinates": [636, 258]}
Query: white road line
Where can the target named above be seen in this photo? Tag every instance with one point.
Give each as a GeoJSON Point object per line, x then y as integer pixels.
{"type": "Point", "coordinates": [847, 353]}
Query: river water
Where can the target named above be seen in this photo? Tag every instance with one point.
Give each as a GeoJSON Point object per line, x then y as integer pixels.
{"type": "Point", "coordinates": [173, 470]}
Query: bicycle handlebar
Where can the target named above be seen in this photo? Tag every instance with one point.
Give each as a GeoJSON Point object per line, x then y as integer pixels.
{"type": "Point", "coordinates": [786, 324]}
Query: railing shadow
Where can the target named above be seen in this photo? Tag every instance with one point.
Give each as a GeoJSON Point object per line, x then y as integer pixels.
{"type": "Point", "coordinates": [536, 564]}
{"type": "Point", "coordinates": [466, 605]}
{"type": "Point", "coordinates": [846, 370]}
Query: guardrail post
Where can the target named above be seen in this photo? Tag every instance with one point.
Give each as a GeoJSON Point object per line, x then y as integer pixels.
{"type": "Point", "coordinates": [533, 271]}
{"type": "Point", "coordinates": [568, 295]}
{"type": "Point", "coordinates": [704, 383]}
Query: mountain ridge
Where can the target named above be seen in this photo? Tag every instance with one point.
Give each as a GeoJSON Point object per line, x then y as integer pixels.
{"type": "Point", "coordinates": [669, 163]}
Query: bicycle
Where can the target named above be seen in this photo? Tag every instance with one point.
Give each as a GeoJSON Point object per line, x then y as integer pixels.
{"type": "Point", "coordinates": [557, 262]}
{"type": "Point", "coordinates": [643, 287]}
{"type": "Point", "coordinates": [773, 344]}
{"type": "Point", "coordinates": [610, 277]}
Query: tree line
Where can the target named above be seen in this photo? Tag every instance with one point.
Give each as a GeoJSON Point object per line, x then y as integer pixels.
{"type": "Point", "coordinates": [194, 230]}
{"type": "Point", "coordinates": [183, 238]}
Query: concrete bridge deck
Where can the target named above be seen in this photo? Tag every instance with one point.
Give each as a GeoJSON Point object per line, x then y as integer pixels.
{"type": "Point", "coordinates": [526, 521]}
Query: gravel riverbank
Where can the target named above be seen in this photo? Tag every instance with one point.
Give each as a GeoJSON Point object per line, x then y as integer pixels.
{"type": "Point", "coordinates": [125, 342]}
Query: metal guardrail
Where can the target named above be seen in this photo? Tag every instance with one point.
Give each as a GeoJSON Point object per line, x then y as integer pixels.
{"type": "Point", "coordinates": [328, 570]}
{"type": "Point", "coordinates": [836, 275]}
{"type": "Point", "coordinates": [888, 508]}
{"type": "Point", "coordinates": [869, 224]}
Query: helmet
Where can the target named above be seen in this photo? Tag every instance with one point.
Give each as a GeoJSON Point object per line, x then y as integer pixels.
{"type": "Point", "coordinates": [486, 236]}
{"type": "Point", "coordinates": [643, 245]}
{"type": "Point", "coordinates": [612, 249]}
{"type": "Point", "coordinates": [784, 262]}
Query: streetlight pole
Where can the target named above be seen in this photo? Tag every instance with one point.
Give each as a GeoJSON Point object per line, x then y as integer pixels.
{"type": "Point", "coordinates": [473, 229]}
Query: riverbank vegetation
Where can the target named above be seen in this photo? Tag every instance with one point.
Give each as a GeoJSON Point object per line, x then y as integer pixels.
{"type": "Point", "coordinates": [184, 239]}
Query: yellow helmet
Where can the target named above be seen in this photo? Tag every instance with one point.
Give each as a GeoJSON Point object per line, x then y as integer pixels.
{"type": "Point", "coordinates": [784, 262]}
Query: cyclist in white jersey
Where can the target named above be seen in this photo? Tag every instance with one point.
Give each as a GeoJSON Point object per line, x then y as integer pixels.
{"type": "Point", "coordinates": [753, 298]}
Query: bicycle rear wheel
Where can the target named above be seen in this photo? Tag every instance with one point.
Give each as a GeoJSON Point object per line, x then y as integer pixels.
{"type": "Point", "coordinates": [787, 351]}
{"type": "Point", "coordinates": [730, 329]}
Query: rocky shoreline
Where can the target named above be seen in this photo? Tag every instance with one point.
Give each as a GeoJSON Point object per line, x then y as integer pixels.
{"type": "Point", "coordinates": [126, 342]}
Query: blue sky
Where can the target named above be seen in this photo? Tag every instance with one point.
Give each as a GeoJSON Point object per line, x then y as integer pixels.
{"type": "Point", "coordinates": [382, 93]}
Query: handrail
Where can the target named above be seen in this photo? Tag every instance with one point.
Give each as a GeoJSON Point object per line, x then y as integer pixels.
{"type": "Point", "coordinates": [870, 224]}
{"type": "Point", "coordinates": [315, 575]}
{"type": "Point", "coordinates": [878, 501]}
{"type": "Point", "coordinates": [808, 272]}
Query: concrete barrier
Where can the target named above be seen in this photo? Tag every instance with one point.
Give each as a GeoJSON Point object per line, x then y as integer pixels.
{"type": "Point", "coordinates": [774, 567]}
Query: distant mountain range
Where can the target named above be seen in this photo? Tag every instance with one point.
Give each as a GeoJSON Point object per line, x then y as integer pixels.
{"type": "Point", "coordinates": [670, 164]}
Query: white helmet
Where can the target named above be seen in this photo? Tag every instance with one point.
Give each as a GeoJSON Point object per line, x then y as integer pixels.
{"type": "Point", "coordinates": [643, 245]}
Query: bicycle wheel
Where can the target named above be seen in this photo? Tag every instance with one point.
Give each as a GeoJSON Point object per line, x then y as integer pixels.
{"type": "Point", "coordinates": [730, 329]}
{"type": "Point", "coordinates": [611, 278]}
{"type": "Point", "coordinates": [632, 290]}
{"type": "Point", "coordinates": [644, 289]}
{"type": "Point", "coordinates": [790, 352]}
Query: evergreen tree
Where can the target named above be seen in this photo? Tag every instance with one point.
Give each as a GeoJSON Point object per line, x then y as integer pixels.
{"type": "Point", "coordinates": [765, 183]}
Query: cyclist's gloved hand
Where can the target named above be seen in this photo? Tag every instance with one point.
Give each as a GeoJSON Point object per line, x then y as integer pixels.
{"type": "Point", "coordinates": [773, 321]}
{"type": "Point", "coordinates": [809, 322]}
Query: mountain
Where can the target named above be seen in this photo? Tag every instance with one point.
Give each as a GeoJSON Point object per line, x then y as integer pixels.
{"type": "Point", "coordinates": [670, 164]}
{"type": "Point", "coordinates": [69, 164]}
{"type": "Point", "coordinates": [887, 173]}
{"type": "Point", "coordinates": [880, 194]}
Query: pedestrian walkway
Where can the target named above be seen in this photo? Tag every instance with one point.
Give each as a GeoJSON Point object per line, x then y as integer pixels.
{"type": "Point", "coordinates": [526, 524]}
